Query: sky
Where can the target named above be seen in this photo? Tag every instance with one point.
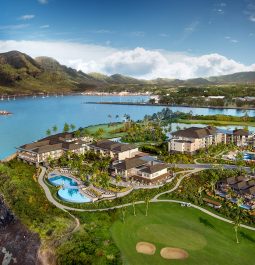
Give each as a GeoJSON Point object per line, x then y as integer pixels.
{"type": "Point", "coordinates": [143, 38]}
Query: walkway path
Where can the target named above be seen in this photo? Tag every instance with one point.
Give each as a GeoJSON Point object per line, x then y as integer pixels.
{"type": "Point", "coordinates": [154, 200]}
{"type": "Point", "coordinates": [208, 166]}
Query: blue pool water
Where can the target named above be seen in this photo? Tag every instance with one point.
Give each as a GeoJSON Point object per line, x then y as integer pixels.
{"type": "Point", "coordinates": [63, 180]}
{"type": "Point", "coordinates": [248, 156]}
{"type": "Point", "coordinates": [72, 195]}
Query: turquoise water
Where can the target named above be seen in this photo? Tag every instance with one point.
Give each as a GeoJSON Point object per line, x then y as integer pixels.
{"type": "Point", "coordinates": [62, 180]}
{"type": "Point", "coordinates": [248, 156]}
{"type": "Point", "coordinates": [72, 195]}
{"type": "Point", "coordinates": [33, 116]}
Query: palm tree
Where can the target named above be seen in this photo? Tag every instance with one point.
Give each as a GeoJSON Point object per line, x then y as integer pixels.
{"type": "Point", "coordinates": [118, 179]}
{"type": "Point", "coordinates": [105, 180]}
{"type": "Point", "coordinates": [246, 114]}
{"type": "Point", "coordinates": [212, 185]}
{"type": "Point", "coordinates": [48, 132]}
{"type": "Point", "coordinates": [66, 128]}
{"type": "Point", "coordinates": [54, 128]}
{"type": "Point", "coordinates": [99, 133]}
{"type": "Point", "coordinates": [199, 191]}
{"type": "Point", "coordinates": [110, 119]}
{"type": "Point", "coordinates": [239, 160]}
{"type": "Point", "coordinates": [123, 210]}
{"type": "Point", "coordinates": [72, 126]}
{"type": "Point", "coordinates": [236, 227]}
{"type": "Point", "coordinates": [133, 203]}
{"type": "Point", "coordinates": [147, 200]}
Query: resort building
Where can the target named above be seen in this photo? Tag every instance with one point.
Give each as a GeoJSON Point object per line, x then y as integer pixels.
{"type": "Point", "coordinates": [242, 186]}
{"type": "Point", "coordinates": [141, 170]}
{"type": "Point", "coordinates": [194, 138]}
{"type": "Point", "coordinates": [239, 137]}
{"type": "Point", "coordinates": [117, 151]}
{"type": "Point", "coordinates": [52, 147]}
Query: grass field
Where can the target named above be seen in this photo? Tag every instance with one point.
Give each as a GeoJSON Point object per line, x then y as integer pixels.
{"type": "Point", "coordinates": [217, 123]}
{"type": "Point", "coordinates": [108, 131]}
{"type": "Point", "coordinates": [208, 241]}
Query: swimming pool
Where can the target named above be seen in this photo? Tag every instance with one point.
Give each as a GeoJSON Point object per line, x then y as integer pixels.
{"type": "Point", "coordinates": [63, 181]}
{"type": "Point", "coordinates": [72, 195]}
{"type": "Point", "coordinates": [249, 156]}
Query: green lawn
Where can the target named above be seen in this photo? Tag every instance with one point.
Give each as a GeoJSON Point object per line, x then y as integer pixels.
{"type": "Point", "coordinates": [217, 123]}
{"type": "Point", "coordinates": [108, 131]}
{"type": "Point", "coordinates": [207, 240]}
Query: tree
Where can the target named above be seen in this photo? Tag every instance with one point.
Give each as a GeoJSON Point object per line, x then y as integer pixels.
{"type": "Point", "coordinates": [123, 211]}
{"type": "Point", "coordinates": [104, 180]}
{"type": "Point", "coordinates": [72, 126]}
{"type": "Point", "coordinates": [147, 201]}
{"type": "Point", "coordinates": [48, 132]}
{"type": "Point", "coordinates": [200, 191]}
{"type": "Point", "coordinates": [239, 160]}
{"type": "Point", "coordinates": [110, 119]}
{"type": "Point", "coordinates": [99, 133]}
{"type": "Point", "coordinates": [133, 203]}
{"type": "Point", "coordinates": [66, 128]}
{"type": "Point", "coordinates": [236, 227]}
{"type": "Point", "coordinates": [118, 179]}
{"type": "Point", "coordinates": [212, 185]}
{"type": "Point", "coordinates": [54, 128]}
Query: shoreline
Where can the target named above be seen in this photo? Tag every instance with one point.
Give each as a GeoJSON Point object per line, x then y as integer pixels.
{"type": "Point", "coordinates": [167, 105]}
{"type": "Point", "coordinates": [6, 97]}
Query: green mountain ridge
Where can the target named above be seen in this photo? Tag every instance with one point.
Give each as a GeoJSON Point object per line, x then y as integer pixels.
{"type": "Point", "coordinates": [21, 74]}
{"type": "Point", "coordinates": [241, 77]}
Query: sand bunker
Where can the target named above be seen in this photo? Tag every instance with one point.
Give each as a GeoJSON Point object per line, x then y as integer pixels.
{"type": "Point", "coordinates": [145, 248]}
{"type": "Point", "coordinates": [173, 253]}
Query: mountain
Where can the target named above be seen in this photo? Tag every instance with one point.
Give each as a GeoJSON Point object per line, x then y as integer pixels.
{"type": "Point", "coordinates": [241, 77]}
{"type": "Point", "coordinates": [21, 74]}
{"type": "Point", "coordinates": [16, 66]}
{"type": "Point", "coordinates": [117, 79]}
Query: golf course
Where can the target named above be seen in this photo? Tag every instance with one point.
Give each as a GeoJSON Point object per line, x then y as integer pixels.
{"type": "Point", "coordinates": [182, 235]}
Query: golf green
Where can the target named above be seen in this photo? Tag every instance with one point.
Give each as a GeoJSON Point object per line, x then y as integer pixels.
{"type": "Point", "coordinates": [207, 241]}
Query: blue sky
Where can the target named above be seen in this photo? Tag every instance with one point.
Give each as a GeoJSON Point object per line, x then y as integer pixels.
{"type": "Point", "coordinates": [175, 29]}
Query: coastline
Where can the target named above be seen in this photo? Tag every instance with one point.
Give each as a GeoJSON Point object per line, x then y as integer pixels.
{"type": "Point", "coordinates": [7, 97]}
{"type": "Point", "coordinates": [167, 105]}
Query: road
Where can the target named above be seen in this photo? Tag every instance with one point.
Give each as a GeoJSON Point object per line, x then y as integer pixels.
{"type": "Point", "coordinates": [208, 166]}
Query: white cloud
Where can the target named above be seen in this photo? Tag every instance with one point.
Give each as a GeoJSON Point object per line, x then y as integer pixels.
{"type": "Point", "coordinates": [44, 26]}
{"type": "Point", "coordinates": [13, 27]}
{"type": "Point", "coordinates": [250, 11]}
{"type": "Point", "coordinates": [137, 33]}
{"type": "Point", "coordinates": [231, 39]}
{"type": "Point", "coordinates": [27, 17]}
{"type": "Point", "coordinates": [223, 4]}
{"type": "Point", "coordinates": [43, 2]}
{"type": "Point", "coordinates": [138, 62]}
{"type": "Point", "coordinates": [103, 31]}
{"type": "Point", "coordinates": [192, 27]}
{"type": "Point", "coordinates": [163, 35]}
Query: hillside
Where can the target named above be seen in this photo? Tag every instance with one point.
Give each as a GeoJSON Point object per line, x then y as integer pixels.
{"type": "Point", "coordinates": [242, 77]}
{"type": "Point", "coordinates": [21, 74]}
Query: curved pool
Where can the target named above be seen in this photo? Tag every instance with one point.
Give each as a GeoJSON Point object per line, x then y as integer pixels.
{"type": "Point", "coordinates": [72, 195]}
{"type": "Point", "coordinates": [63, 181]}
